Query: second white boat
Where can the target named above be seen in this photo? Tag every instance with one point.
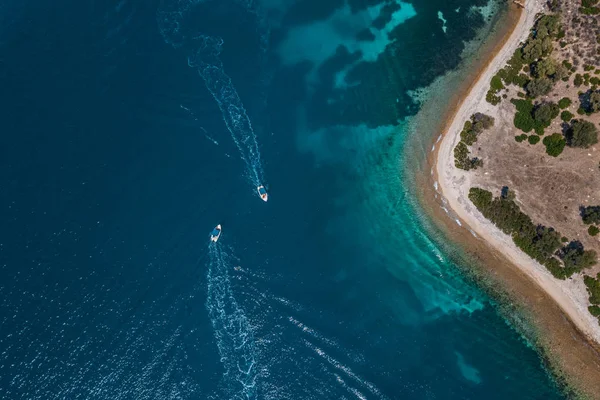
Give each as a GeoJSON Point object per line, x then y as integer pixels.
{"type": "Point", "coordinates": [216, 233]}
{"type": "Point", "coordinates": [262, 192]}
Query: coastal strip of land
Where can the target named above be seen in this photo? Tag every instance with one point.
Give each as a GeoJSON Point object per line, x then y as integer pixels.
{"type": "Point", "coordinates": [454, 185]}
{"type": "Point", "coordinates": [450, 185]}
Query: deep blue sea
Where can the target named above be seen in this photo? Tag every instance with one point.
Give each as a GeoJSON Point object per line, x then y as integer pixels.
{"type": "Point", "coordinates": [130, 128]}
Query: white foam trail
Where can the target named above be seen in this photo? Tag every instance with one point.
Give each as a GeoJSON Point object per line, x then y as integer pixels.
{"type": "Point", "coordinates": [289, 303]}
{"type": "Point", "coordinates": [312, 332]}
{"type": "Point", "coordinates": [206, 60]}
{"type": "Point", "coordinates": [211, 139]}
{"type": "Point", "coordinates": [233, 333]}
{"type": "Point", "coordinates": [336, 364]}
{"type": "Point", "coordinates": [352, 390]}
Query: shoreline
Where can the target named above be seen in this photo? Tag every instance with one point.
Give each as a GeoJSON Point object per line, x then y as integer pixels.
{"type": "Point", "coordinates": [568, 335]}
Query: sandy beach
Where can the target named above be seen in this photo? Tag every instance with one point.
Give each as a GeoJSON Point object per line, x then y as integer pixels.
{"type": "Point", "coordinates": [453, 185]}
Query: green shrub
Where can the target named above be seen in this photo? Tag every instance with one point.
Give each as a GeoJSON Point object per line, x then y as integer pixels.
{"type": "Point", "coordinates": [546, 67]}
{"type": "Point", "coordinates": [533, 139]}
{"type": "Point", "coordinates": [496, 83]}
{"type": "Point", "coordinates": [556, 269]}
{"type": "Point", "coordinates": [593, 288]}
{"type": "Point", "coordinates": [539, 87]}
{"type": "Point", "coordinates": [566, 116]}
{"type": "Point", "coordinates": [564, 102]}
{"type": "Point", "coordinates": [523, 119]}
{"type": "Point", "coordinates": [594, 102]}
{"type": "Point", "coordinates": [482, 121]}
{"type": "Point", "coordinates": [593, 230]}
{"type": "Point", "coordinates": [582, 134]}
{"type": "Point", "coordinates": [590, 215]}
{"type": "Point", "coordinates": [521, 137]}
{"type": "Point", "coordinates": [575, 257]}
{"type": "Point", "coordinates": [544, 114]}
{"type": "Point", "coordinates": [521, 80]}
{"type": "Point", "coordinates": [475, 126]}
{"type": "Point", "coordinates": [468, 135]}
{"type": "Point", "coordinates": [462, 159]}
{"type": "Point", "coordinates": [530, 117]}
{"type": "Point", "coordinates": [547, 26]}
{"type": "Point", "coordinates": [555, 144]}
{"type": "Point", "coordinates": [480, 198]}
{"type": "Point", "coordinates": [587, 7]}
{"type": "Point", "coordinates": [461, 156]}
{"type": "Point", "coordinates": [578, 81]}
{"type": "Point", "coordinates": [594, 310]}
{"type": "Point", "coordinates": [539, 242]}
{"type": "Point", "coordinates": [509, 75]}
{"type": "Point", "coordinates": [492, 98]}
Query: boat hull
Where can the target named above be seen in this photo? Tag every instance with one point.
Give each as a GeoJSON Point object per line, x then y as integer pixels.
{"type": "Point", "coordinates": [216, 233]}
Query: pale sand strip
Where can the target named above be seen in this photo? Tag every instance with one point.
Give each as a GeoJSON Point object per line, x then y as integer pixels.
{"type": "Point", "coordinates": [454, 186]}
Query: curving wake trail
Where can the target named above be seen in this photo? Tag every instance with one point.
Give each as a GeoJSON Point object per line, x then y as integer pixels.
{"type": "Point", "coordinates": [205, 57]}
{"type": "Point", "coordinates": [210, 68]}
{"type": "Point", "coordinates": [233, 333]}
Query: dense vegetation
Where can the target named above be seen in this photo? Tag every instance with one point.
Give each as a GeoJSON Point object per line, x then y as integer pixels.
{"type": "Point", "coordinates": [566, 116]}
{"type": "Point", "coordinates": [468, 136]}
{"type": "Point", "coordinates": [590, 215]}
{"type": "Point", "coordinates": [589, 7]}
{"type": "Point", "coordinates": [533, 139]}
{"type": "Point", "coordinates": [564, 102]}
{"type": "Point", "coordinates": [536, 117]}
{"type": "Point", "coordinates": [582, 134]}
{"type": "Point", "coordinates": [535, 72]}
{"type": "Point", "coordinates": [521, 137]}
{"type": "Point", "coordinates": [475, 126]}
{"type": "Point", "coordinates": [539, 242]}
{"type": "Point", "coordinates": [590, 101]}
{"type": "Point", "coordinates": [593, 289]}
{"type": "Point", "coordinates": [509, 75]}
{"type": "Point", "coordinates": [462, 158]}
{"type": "Point", "coordinates": [555, 144]}
{"type": "Point", "coordinates": [534, 58]}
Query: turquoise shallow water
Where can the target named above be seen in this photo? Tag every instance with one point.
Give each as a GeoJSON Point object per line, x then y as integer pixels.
{"type": "Point", "coordinates": [132, 128]}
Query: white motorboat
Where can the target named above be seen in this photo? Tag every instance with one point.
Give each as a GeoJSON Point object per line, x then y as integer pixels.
{"type": "Point", "coordinates": [262, 192]}
{"type": "Point", "coordinates": [216, 233]}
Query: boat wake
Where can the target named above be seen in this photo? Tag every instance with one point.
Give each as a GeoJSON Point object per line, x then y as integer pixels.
{"type": "Point", "coordinates": [347, 371]}
{"type": "Point", "coordinates": [233, 333]}
{"type": "Point", "coordinates": [205, 52]}
{"type": "Point", "coordinates": [206, 60]}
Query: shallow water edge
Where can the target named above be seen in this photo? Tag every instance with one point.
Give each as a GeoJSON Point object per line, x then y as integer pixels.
{"type": "Point", "coordinates": [573, 361]}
